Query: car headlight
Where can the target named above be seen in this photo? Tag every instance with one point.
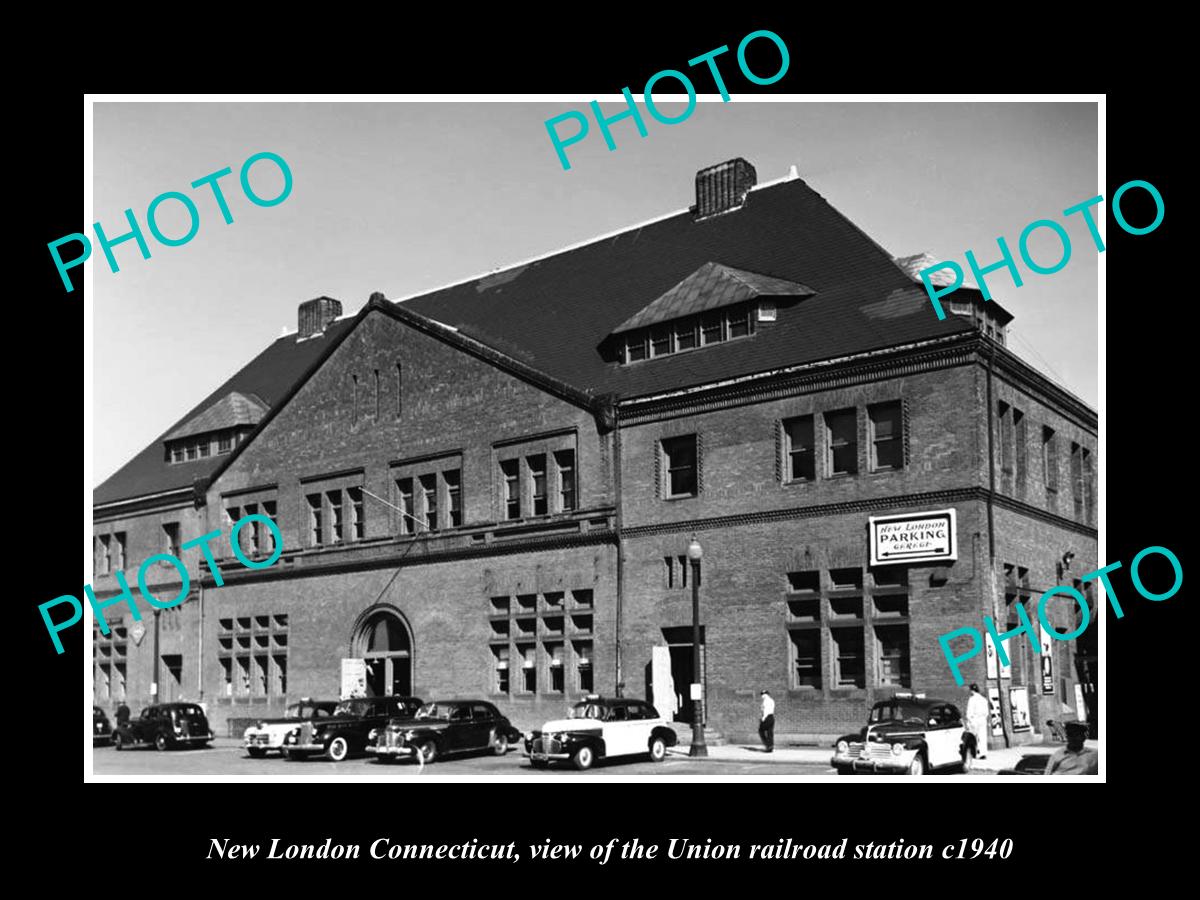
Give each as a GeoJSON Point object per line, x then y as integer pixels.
{"type": "Point", "coordinates": [843, 747]}
{"type": "Point", "coordinates": [261, 725]}
{"type": "Point", "coordinates": [373, 734]}
{"type": "Point", "coordinates": [409, 735]}
{"type": "Point", "coordinates": [897, 749]}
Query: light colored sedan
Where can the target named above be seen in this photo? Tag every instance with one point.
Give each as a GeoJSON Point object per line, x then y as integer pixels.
{"type": "Point", "coordinates": [268, 734]}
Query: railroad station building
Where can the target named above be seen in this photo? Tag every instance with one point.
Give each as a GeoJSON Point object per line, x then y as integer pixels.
{"type": "Point", "coordinates": [489, 490]}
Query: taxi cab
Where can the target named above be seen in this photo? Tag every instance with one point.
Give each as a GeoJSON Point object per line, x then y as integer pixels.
{"type": "Point", "coordinates": [601, 728]}
{"type": "Point", "coordinates": [907, 734]}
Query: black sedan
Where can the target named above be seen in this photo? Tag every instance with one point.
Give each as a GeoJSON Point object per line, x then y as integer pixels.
{"type": "Point", "coordinates": [165, 726]}
{"type": "Point", "coordinates": [445, 727]}
{"type": "Point", "coordinates": [347, 731]}
{"type": "Point", "coordinates": [101, 729]}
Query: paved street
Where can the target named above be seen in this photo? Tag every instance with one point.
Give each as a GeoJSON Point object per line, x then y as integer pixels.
{"type": "Point", "coordinates": [226, 757]}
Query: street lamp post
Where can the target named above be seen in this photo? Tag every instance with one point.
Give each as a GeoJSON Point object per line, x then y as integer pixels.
{"type": "Point", "coordinates": [694, 553]}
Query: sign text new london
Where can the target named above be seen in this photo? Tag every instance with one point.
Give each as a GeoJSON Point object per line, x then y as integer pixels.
{"type": "Point", "coordinates": [913, 537]}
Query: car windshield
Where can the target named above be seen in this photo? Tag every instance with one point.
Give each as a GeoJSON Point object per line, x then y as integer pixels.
{"type": "Point", "coordinates": [189, 710]}
{"type": "Point", "coordinates": [307, 711]}
{"type": "Point", "coordinates": [897, 712]}
{"type": "Point", "coordinates": [351, 708]}
{"type": "Point", "coordinates": [434, 711]}
{"type": "Point", "coordinates": [587, 711]}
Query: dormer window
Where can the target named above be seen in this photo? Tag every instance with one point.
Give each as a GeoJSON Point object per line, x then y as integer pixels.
{"type": "Point", "coordinates": [216, 430]}
{"type": "Point", "coordinates": [714, 304]}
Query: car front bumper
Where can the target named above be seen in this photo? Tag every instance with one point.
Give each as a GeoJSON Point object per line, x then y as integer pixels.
{"type": "Point", "coordinates": [251, 744]}
{"type": "Point", "coordinates": [392, 751]}
{"type": "Point", "coordinates": [894, 764]}
{"type": "Point", "coordinates": [305, 748]}
{"type": "Point", "coordinates": [193, 738]}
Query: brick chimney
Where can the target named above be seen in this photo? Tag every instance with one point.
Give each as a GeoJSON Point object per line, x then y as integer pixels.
{"type": "Point", "coordinates": [723, 187]}
{"type": "Point", "coordinates": [317, 315]}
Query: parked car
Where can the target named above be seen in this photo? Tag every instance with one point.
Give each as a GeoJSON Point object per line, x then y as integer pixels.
{"type": "Point", "coordinates": [444, 727]}
{"type": "Point", "coordinates": [908, 734]}
{"type": "Point", "coordinates": [268, 734]}
{"type": "Point", "coordinates": [1030, 764]}
{"type": "Point", "coordinates": [101, 729]}
{"type": "Point", "coordinates": [165, 725]}
{"type": "Point", "coordinates": [601, 728]}
{"type": "Point", "coordinates": [345, 732]}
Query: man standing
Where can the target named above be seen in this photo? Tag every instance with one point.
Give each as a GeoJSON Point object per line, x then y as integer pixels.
{"type": "Point", "coordinates": [766, 725]}
{"type": "Point", "coordinates": [977, 720]}
{"type": "Point", "coordinates": [1074, 759]}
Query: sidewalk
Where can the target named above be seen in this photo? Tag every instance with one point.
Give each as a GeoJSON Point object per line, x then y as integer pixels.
{"type": "Point", "coordinates": [1003, 758]}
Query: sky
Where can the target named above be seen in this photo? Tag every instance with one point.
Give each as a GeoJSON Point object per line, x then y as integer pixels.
{"type": "Point", "coordinates": [406, 197]}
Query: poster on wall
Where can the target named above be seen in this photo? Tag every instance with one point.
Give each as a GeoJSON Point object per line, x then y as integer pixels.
{"type": "Point", "coordinates": [354, 678]}
{"type": "Point", "coordinates": [995, 667]}
{"type": "Point", "coordinates": [1047, 657]}
{"type": "Point", "coordinates": [1080, 709]}
{"type": "Point", "coordinates": [1018, 699]}
{"type": "Point", "coordinates": [994, 711]}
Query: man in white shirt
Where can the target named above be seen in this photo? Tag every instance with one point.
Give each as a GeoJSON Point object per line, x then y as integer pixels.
{"type": "Point", "coordinates": [977, 720]}
{"type": "Point", "coordinates": [766, 725]}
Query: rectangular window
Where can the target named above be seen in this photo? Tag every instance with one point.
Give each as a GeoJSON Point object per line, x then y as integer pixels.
{"type": "Point", "coordinates": [679, 461]}
{"type": "Point", "coordinates": [555, 654]}
{"type": "Point", "coordinates": [429, 501]}
{"type": "Point", "coordinates": [225, 442]}
{"type": "Point", "coordinates": [687, 334]}
{"type": "Point", "coordinates": [119, 549]}
{"type": "Point", "coordinates": [104, 555]}
{"type": "Point", "coordinates": [739, 322]}
{"type": "Point", "coordinates": [660, 341]}
{"type": "Point", "coordinates": [453, 479]}
{"type": "Point", "coordinates": [250, 531]}
{"type": "Point", "coordinates": [806, 657]}
{"type": "Point", "coordinates": [177, 454]}
{"type": "Point", "coordinates": [1077, 479]}
{"type": "Point", "coordinates": [635, 347]}
{"type": "Point", "coordinates": [191, 452]}
{"type": "Point", "coordinates": [203, 449]}
{"type": "Point", "coordinates": [670, 561]}
{"type": "Point", "coordinates": [801, 459]}
{"type": "Point", "coordinates": [335, 516]}
{"type": "Point", "coordinates": [1006, 438]}
{"type": "Point", "coordinates": [1020, 463]}
{"type": "Point", "coordinates": [278, 675]}
{"type": "Point", "coordinates": [712, 328]}
{"type": "Point", "coordinates": [1089, 486]}
{"type": "Point", "coordinates": [564, 461]}
{"type": "Point", "coordinates": [583, 665]}
{"type": "Point", "coordinates": [849, 670]}
{"type": "Point", "coordinates": [404, 500]}
{"type": "Point", "coordinates": [500, 668]}
{"type": "Point", "coordinates": [528, 654]}
{"type": "Point", "coordinates": [842, 429]}
{"type": "Point", "coordinates": [892, 662]}
{"type": "Point", "coordinates": [887, 436]}
{"type": "Point", "coordinates": [537, 477]}
{"type": "Point", "coordinates": [511, 470]}
{"type": "Point", "coordinates": [399, 384]}
{"type": "Point", "coordinates": [1050, 458]}
{"type": "Point", "coordinates": [357, 522]}
{"type": "Point", "coordinates": [316, 529]}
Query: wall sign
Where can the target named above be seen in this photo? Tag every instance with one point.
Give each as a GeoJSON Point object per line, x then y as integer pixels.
{"type": "Point", "coordinates": [913, 537]}
{"type": "Point", "coordinates": [354, 678]}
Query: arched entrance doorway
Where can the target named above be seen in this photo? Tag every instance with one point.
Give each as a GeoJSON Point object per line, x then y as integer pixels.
{"type": "Point", "coordinates": [384, 641]}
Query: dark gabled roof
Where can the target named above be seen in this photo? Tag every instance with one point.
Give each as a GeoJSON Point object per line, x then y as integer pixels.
{"type": "Point", "coordinates": [712, 286]}
{"type": "Point", "coordinates": [555, 313]}
{"type": "Point", "coordinates": [231, 411]}
{"type": "Point", "coordinates": [269, 376]}
{"type": "Point", "coordinates": [547, 319]}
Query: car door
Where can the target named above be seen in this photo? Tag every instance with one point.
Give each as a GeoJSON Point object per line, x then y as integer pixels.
{"type": "Point", "coordinates": [460, 735]}
{"type": "Point", "coordinates": [146, 727]}
{"type": "Point", "coordinates": [619, 732]}
{"type": "Point", "coordinates": [939, 735]}
{"type": "Point", "coordinates": [484, 721]}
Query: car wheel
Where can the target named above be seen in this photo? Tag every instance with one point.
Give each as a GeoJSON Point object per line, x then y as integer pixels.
{"type": "Point", "coordinates": [917, 766]}
{"type": "Point", "coordinates": [338, 749]}
{"type": "Point", "coordinates": [583, 758]}
{"type": "Point", "coordinates": [968, 759]}
{"type": "Point", "coordinates": [658, 749]}
{"type": "Point", "coordinates": [118, 743]}
{"type": "Point", "coordinates": [499, 744]}
{"type": "Point", "coordinates": [256, 752]}
{"type": "Point", "coordinates": [161, 743]}
{"type": "Point", "coordinates": [427, 751]}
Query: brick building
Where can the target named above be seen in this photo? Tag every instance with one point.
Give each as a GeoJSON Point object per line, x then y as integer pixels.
{"type": "Point", "coordinates": [489, 489]}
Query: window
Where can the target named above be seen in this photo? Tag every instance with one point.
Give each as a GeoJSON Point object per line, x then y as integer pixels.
{"type": "Point", "coordinates": [887, 436]}
{"type": "Point", "coordinates": [177, 454]}
{"type": "Point", "coordinates": [511, 471]}
{"type": "Point", "coordinates": [429, 501]}
{"type": "Point", "coordinates": [1089, 485]}
{"type": "Point", "coordinates": [801, 460]}
{"type": "Point", "coordinates": [842, 429]}
{"type": "Point", "coordinates": [104, 554]}
{"type": "Point", "coordinates": [555, 654]}
{"type": "Point", "coordinates": [256, 663]}
{"type": "Point", "coordinates": [1006, 445]}
{"type": "Point", "coordinates": [335, 516]}
{"type": "Point", "coordinates": [687, 334]}
{"type": "Point", "coordinates": [537, 477]}
{"type": "Point", "coordinates": [316, 531]}
{"type": "Point", "coordinates": [739, 322]}
{"type": "Point", "coordinates": [225, 442]}
{"type": "Point", "coordinates": [203, 448]}
{"type": "Point", "coordinates": [712, 328]}
{"type": "Point", "coordinates": [500, 667]}
{"type": "Point", "coordinates": [1020, 463]}
{"type": "Point", "coordinates": [583, 665]}
{"type": "Point", "coordinates": [528, 654]}
{"type": "Point", "coordinates": [453, 479]}
{"type": "Point", "coordinates": [660, 341]}
{"type": "Point", "coordinates": [635, 347]}
{"type": "Point", "coordinates": [848, 660]}
{"type": "Point", "coordinates": [357, 522]}
{"type": "Point", "coordinates": [892, 661]}
{"type": "Point", "coordinates": [399, 384]}
{"type": "Point", "coordinates": [119, 549]}
{"type": "Point", "coordinates": [404, 500]}
{"type": "Point", "coordinates": [679, 460]}
{"type": "Point", "coordinates": [806, 657]}
{"type": "Point", "coordinates": [564, 461]}
{"type": "Point", "coordinates": [1077, 479]}
{"type": "Point", "coordinates": [1050, 459]}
